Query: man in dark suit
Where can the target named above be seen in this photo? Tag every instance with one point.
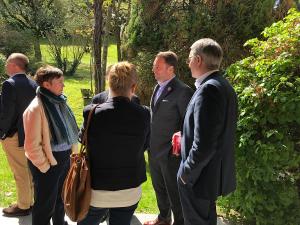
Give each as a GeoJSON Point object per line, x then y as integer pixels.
{"type": "Point", "coordinates": [17, 93]}
{"type": "Point", "coordinates": [207, 146]}
{"type": "Point", "coordinates": [168, 105]}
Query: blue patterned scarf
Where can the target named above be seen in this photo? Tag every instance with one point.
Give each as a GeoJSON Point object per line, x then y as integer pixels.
{"type": "Point", "coordinates": [61, 131]}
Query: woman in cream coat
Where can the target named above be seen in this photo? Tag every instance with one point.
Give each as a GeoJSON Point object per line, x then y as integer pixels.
{"type": "Point", "coordinates": [50, 134]}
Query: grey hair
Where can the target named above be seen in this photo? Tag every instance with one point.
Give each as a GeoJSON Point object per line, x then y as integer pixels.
{"type": "Point", "coordinates": [210, 52]}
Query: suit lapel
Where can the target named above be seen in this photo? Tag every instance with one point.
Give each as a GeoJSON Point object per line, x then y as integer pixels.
{"type": "Point", "coordinates": [167, 90]}
{"type": "Point", "coordinates": [153, 96]}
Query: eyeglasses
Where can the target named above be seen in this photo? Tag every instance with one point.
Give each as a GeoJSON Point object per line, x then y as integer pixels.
{"type": "Point", "coordinates": [189, 59]}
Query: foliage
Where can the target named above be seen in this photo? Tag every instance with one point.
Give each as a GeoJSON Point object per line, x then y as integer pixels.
{"type": "Point", "coordinates": [174, 25]}
{"type": "Point", "coordinates": [268, 134]}
{"type": "Point", "coordinates": [12, 40]}
{"type": "Point", "coordinates": [38, 17]}
{"type": "Point", "coordinates": [61, 51]}
{"type": "Point", "coordinates": [2, 69]}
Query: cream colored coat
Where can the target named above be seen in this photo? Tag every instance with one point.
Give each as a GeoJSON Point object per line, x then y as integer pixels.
{"type": "Point", "coordinates": [37, 137]}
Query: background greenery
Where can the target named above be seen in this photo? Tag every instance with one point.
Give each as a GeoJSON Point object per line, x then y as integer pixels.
{"type": "Point", "coordinates": [268, 134]}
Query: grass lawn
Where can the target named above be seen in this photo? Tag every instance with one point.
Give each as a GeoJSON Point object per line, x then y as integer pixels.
{"type": "Point", "coordinates": [72, 91]}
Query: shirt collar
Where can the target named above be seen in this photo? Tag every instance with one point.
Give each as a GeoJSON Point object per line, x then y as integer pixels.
{"type": "Point", "coordinates": [16, 74]}
{"type": "Point", "coordinates": [202, 77]}
{"type": "Point", "coordinates": [163, 84]}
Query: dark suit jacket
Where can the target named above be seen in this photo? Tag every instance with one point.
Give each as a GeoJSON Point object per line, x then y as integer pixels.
{"type": "Point", "coordinates": [167, 116]}
{"type": "Point", "coordinates": [208, 139]}
{"type": "Point", "coordinates": [103, 96]}
{"type": "Point", "coordinates": [117, 138]}
{"type": "Point", "coordinates": [17, 93]}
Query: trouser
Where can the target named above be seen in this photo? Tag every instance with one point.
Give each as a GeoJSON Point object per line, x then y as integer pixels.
{"type": "Point", "coordinates": [47, 191]}
{"type": "Point", "coordinates": [196, 210]}
{"type": "Point", "coordinates": [117, 216]}
{"type": "Point", "coordinates": [164, 180]}
{"type": "Point", "coordinates": [19, 166]}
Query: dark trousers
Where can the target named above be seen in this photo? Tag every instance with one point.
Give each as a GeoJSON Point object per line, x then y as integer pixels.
{"type": "Point", "coordinates": [196, 210]}
{"type": "Point", "coordinates": [117, 216]}
{"type": "Point", "coordinates": [47, 191]}
{"type": "Point", "coordinates": [163, 173]}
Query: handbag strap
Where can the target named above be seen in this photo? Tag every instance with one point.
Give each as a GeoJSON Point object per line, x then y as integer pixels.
{"type": "Point", "coordinates": [84, 140]}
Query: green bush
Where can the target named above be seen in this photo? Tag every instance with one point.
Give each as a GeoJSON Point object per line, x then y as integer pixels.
{"type": "Point", "coordinates": [12, 40]}
{"type": "Point", "coordinates": [174, 25]}
{"type": "Point", "coordinates": [268, 134]}
{"type": "Point", "coordinates": [2, 69]}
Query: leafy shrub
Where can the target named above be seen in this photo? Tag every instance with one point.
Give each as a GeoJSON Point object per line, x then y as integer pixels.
{"type": "Point", "coordinates": [12, 40]}
{"type": "Point", "coordinates": [174, 25]}
{"type": "Point", "coordinates": [268, 134]}
{"type": "Point", "coordinates": [2, 68]}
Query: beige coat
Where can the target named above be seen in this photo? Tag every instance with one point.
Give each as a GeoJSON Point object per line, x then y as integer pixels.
{"type": "Point", "coordinates": [37, 137]}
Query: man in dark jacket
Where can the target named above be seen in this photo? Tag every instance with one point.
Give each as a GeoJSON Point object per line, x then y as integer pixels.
{"type": "Point", "coordinates": [168, 105]}
{"type": "Point", "coordinates": [17, 93]}
{"type": "Point", "coordinates": [207, 145]}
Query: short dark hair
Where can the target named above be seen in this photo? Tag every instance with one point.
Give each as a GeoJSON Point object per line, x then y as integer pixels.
{"type": "Point", "coordinates": [19, 59]}
{"type": "Point", "coordinates": [169, 57]}
{"type": "Point", "coordinates": [47, 73]}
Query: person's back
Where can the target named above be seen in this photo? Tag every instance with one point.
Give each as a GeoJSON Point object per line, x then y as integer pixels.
{"type": "Point", "coordinates": [17, 93]}
{"type": "Point", "coordinates": [116, 138]}
{"type": "Point", "coordinates": [25, 91]}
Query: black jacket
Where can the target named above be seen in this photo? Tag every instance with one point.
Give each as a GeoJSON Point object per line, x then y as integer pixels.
{"type": "Point", "coordinates": [17, 93]}
{"type": "Point", "coordinates": [117, 138]}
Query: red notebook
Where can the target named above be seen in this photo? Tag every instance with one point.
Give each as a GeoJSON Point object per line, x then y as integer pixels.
{"type": "Point", "coordinates": [176, 143]}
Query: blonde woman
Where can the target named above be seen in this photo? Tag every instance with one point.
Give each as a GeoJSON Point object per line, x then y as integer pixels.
{"type": "Point", "coordinates": [117, 138]}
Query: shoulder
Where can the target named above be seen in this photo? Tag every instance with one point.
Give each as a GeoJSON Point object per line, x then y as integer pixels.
{"type": "Point", "coordinates": [34, 106]}
{"type": "Point", "coordinates": [87, 109]}
{"type": "Point", "coordinates": [9, 82]}
{"type": "Point", "coordinates": [100, 97]}
{"type": "Point", "coordinates": [182, 86]}
{"type": "Point", "coordinates": [141, 109]}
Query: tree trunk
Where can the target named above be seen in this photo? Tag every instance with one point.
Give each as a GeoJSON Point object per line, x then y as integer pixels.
{"type": "Point", "coordinates": [106, 38]}
{"type": "Point", "coordinates": [118, 30]}
{"type": "Point", "coordinates": [99, 78]}
{"type": "Point", "coordinates": [37, 49]}
{"type": "Point", "coordinates": [118, 40]}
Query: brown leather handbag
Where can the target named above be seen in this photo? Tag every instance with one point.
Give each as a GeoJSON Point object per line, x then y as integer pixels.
{"type": "Point", "coordinates": [76, 192]}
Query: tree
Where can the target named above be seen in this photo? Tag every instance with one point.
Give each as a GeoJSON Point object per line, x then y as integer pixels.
{"type": "Point", "coordinates": [97, 43]}
{"type": "Point", "coordinates": [39, 16]}
{"type": "Point", "coordinates": [174, 25]}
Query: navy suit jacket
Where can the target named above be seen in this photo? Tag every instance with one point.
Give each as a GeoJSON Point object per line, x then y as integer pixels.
{"type": "Point", "coordinates": [17, 93]}
{"type": "Point", "coordinates": [103, 96]}
{"type": "Point", "coordinates": [208, 138]}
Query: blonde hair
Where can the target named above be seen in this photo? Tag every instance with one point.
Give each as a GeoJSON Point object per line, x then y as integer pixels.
{"type": "Point", "coordinates": [121, 77]}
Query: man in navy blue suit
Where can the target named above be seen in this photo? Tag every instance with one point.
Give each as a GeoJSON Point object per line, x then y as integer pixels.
{"type": "Point", "coordinates": [17, 92]}
{"type": "Point", "coordinates": [207, 146]}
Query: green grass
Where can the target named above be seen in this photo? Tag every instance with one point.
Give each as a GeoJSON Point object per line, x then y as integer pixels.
{"type": "Point", "coordinates": [72, 91]}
